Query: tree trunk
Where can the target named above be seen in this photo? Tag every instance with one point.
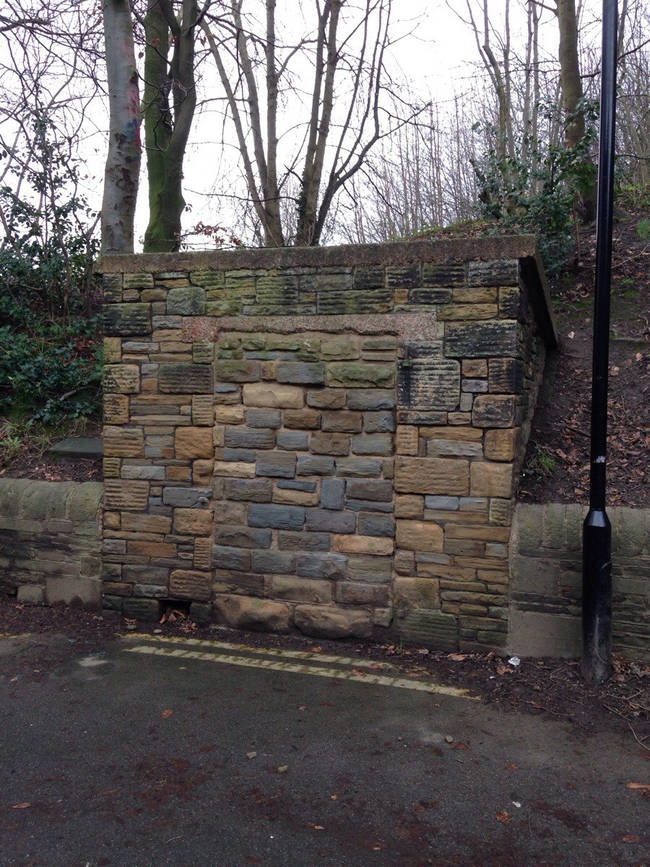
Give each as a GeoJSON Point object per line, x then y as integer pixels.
{"type": "Point", "coordinates": [572, 93]}
{"type": "Point", "coordinates": [167, 131]}
{"type": "Point", "coordinates": [124, 149]}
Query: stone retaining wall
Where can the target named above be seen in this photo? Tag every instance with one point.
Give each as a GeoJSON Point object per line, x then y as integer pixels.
{"type": "Point", "coordinates": [321, 439]}
{"type": "Point", "coordinates": [50, 541]}
{"type": "Point", "coordinates": [546, 581]}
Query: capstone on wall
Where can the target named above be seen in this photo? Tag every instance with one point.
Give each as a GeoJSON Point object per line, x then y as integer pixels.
{"type": "Point", "coordinates": [324, 440]}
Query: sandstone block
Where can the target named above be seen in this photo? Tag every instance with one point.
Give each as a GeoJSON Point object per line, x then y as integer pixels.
{"type": "Point", "coordinates": [305, 419]}
{"type": "Point", "coordinates": [500, 444]}
{"type": "Point", "coordinates": [371, 524]}
{"type": "Point", "coordinates": [358, 467]}
{"type": "Point", "coordinates": [295, 589]}
{"type": "Point", "coordinates": [506, 375]}
{"type": "Point", "coordinates": [482, 339]}
{"type": "Point", "coordinates": [278, 517]}
{"type": "Point", "coordinates": [406, 440]}
{"type": "Point", "coordinates": [112, 350]}
{"type": "Point", "coordinates": [491, 479]}
{"type": "Point", "coordinates": [193, 442]}
{"type": "Point", "coordinates": [237, 371]}
{"type": "Point", "coordinates": [362, 545]}
{"type": "Point", "coordinates": [246, 612]}
{"type": "Point", "coordinates": [123, 442]}
{"type": "Point", "coordinates": [249, 490]}
{"type": "Point", "coordinates": [124, 320]}
{"type": "Point", "coordinates": [116, 409]}
{"type": "Point", "coordinates": [353, 593]}
{"type": "Point", "coordinates": [186, 301]}
{"type": "Point", "coordinates": [121, 378]}
{"type": "Point", "coordinates": [185, 378]}
{"type": "Point", "coordinates": [186, 497]}
{"type": "Point", "coordinates": [370, 489]}
{"type": "Point", "coordinates": [133, 522]}
{"type": "Point", "coordinates": [202, 471]}
{"type": "Point", "coordinates": [202, 553]}
{"type": "Point", "coordinates": [409, 506]}
{"type": "Point", "coordinates": [359, 374]}
{"type": "Point", "coordinates": [292, 440]}
{"type": "Point", "coordinates": [225, 557]}
{"type": "Point", "coordinates": [234, 415]}
{"type": "Point", "coordinates": [342, 422]}
{"type": "Point", "coordinates": [322, 621]}
{"type": "Point", "coordinates": [272, 562]}
{"type": "Point", "coordinates": [443, 448]}
{"type": "Point", "coordinates": [330, 444]}
{"type": "Point", "coordinates": [370, 569]}
{"type": "Point", "coordinates": [326, 398]}
{"type": "Point", "coordinates": [329, 566]}
{"type": "Point", "coordinates": [288, 541]}
{"type": "Point", "coordinates": [273, 395]}
{"type": "Point", "coordinates": [419, 536]}
{"type": "Point", "coordinates": [232, 536]}
{"type": "Point", "coordinates": [417, 592]}
{"type": "Point", "coordinates": [332, 493]}
{"type": "Point", "coordinates": [277, 465]}
{"type": "Point", "coordinates": [261, 418]}
{"type": "Point", "coordinates": [315, 466]}
{"type": "Point", "coordinates": [372, 444]}
{"type": "Point", "coordinates": [370, 399]}
{"type": "Point", "coordinates": [202, 409]}
{"type": "Point", "coordinates": [324, 520]}
{"type": "Point", "coordinates": [378, 422]}
{"type": "Point", "coordinates": [190, 584]}
{"type": "Point", "coordinates": [432, 476]}
{"type": "Point", "coordinates": [295, 498]}
{"type": "Point", "coordinates": [234, 469]}
{"type": "Point", "coordinates": [494, 410]}
{"type": "Point", "coordinates": [300, 373]}
{"type": "Point", "coordinates": [129, 495]}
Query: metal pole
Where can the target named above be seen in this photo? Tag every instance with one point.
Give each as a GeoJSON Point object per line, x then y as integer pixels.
{"type": "Point", "coordinates": [597, 531]}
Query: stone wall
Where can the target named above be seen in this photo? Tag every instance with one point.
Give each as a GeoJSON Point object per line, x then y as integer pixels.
{"type": "Point", "coordinates": [321, 439]}
{"type": "Point", "coordinates": [546, 581]}
{"type": "Point", "coordinates": [50, 541]}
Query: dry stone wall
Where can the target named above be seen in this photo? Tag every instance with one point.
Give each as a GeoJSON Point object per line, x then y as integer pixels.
{"type": "Point", "coordinates": [322, 440]}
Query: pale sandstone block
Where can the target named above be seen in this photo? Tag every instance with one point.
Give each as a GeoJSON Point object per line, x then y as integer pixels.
{"type": "Point", "coordinates": [273, 395]}
{"type": "Point", "coordinates": [362, 545]}
{"type": "Point", "coordinates": [406, 440]}
{"type": "Point", "coordinates": [432, 476]}
{"type": "Point", "coordinates": [193, 442]}
{"type": "Point", "coordinates": [491, 479]}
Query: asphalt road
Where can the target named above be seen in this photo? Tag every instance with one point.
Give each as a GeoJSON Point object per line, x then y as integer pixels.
{"type": "Point", "coordinates": [167, 753]}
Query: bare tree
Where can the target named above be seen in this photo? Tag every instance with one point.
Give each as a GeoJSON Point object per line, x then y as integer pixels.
{"type": "Point", "coordinates": [124, 149]}
{"type": "Point", "coordinates": [311, 158]}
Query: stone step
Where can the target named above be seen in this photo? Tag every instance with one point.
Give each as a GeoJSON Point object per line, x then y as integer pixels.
{"type": "Point", "coordinates": [76, 447]}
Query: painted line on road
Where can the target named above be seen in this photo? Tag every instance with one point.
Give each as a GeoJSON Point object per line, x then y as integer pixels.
{"type": "Point", "coordinates": [301, 668]}
{"type": "Point", "coordinates": [262, 651]}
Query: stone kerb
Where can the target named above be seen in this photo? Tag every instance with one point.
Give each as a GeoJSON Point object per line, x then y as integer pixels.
{"type": "Point", "coordinates": [322, 440]}
{"type": "Point", "coordinates": [50, 541]}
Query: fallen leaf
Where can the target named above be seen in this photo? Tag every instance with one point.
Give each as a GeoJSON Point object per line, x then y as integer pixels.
{"type": "Point", "coordinates": [510, 767]}
{"type": "Point", "coordinates": [303, 707]}
{"type": "Point", "coordinates": [630, 838]}
{"type": "Point", "coordinates": [166, 713]}
{"type": "Point", "coordinates": [282, 769]}
{"type": "Point", "coordinates": [22, 806]}
{"type": "Point", "coordinates": [334, 797]}
{"type": "Point", "coordinates": [644, 787]}
{"type": "Point", "coordinates": [503, 817]}
{"type": "Point", "coordinates": [251, 755]}
{"type": "Point", "coordinates": [457, 657]}
{"type": "Point", "coordinates": [458, 745]}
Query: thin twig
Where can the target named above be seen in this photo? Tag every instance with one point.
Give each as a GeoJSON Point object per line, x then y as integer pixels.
{"type": "Point", "coordinates": [637, 739]}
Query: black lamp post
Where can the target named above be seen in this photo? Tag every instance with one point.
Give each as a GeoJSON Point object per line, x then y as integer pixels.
{"type": "Point", "coordinates": [597, 531]}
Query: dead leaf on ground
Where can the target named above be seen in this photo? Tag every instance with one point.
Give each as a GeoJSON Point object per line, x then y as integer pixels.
{"type": "Point", "coordinates": [630, 838]}
{"type": "Point", "coordinates": [644, 787]}
{"type": "Point", "coordinates": [503, 816]}
{"type": "Point", "coordinates": [458, 745]}
{"type": "Point", "coordinates": [166, 713]}
{"type": "Point", "coordinates": [22, 806]}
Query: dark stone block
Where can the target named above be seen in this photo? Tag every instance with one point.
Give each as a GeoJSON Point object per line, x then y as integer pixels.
{"type": "Point", "coordinates": [330, 522]}
{"type": "Point", "coordinates": [373, 444]}
{"type": "Point", "coordinates": [237, 371]}
{"type": "Point", "coordinates": [249, 490]}
{"type": "Point", "coordinates": [242, 537]}
{"type": "Point", "coordinates": [351, 302]}
{"type": "Point", "coordinates": [494, 411]}
{"type": "Point", "coordinates": [379, 422]}
{"type": "Point", "coordinates": [309, 487]}
{"type": "Point", "coordinates": [267, 418]}
{"type": "Point", "coordinates": [499, 272]}
{"type": "Point", "coordinates": [443, 275]}
{"type": "Point", "coordinates": [429, 296]}
{"type": "Point", "coordinates": [230, 558]}
{"type": "Point", "coordinates": [374, 570]}
{"type": "Point", "coordinates": [247, 456]}
{"type": "Point", "coordinates": [237, 437]}
{"type": "Point", "coordinates": [315, 466]}
{"type": "Point", "coordinates": [482, 339]}
{"type": "Point", "coordinates": [185, 378]}
{"type": "Point", "coordinates": [506, 375]}
{"type": "Point", "coordinates": [368, 506]}
{"type": "Point", "coordinates": [330, 444]}
{"type": "Point", "coordinates": [187, 498]}
{"type": "Point", "coordinates": [376, 525]}
{"type": "Point", "coordinates": [142, 609]}
{"type": "Point", "coordinates": [332, 566]}
{"type": "Point", "coordinates": [277, 465]}
{"type": "Point", "coordinates": [371, 399]}
{"type": "Point", "coordinates": [332, 493]}
{"type": "Point", "coordinates": [278, 517]}
{"type": "Point", "coordinates": [360, 467]}
{"type": "Point", "coordinates": [303, 541]}
{"type": "Point", "coordinates": [186, 301]}
{"type": "Point", "coordinates": [368, 278]}
{"type": "Point", "coordinates": [403, 276]}
{"type": "Point", "coordinates": [292, 440]}
{"type": "Point", "coordinates": [126, 320]}
{"type": "Point", "coordinates": [341, 422]}
{"type": "Point", "coordinates": [300, 373]}
{"type": "Point", "coordinates": [272, 561]}
{"type": "Point", "coordinates": [362, 489]}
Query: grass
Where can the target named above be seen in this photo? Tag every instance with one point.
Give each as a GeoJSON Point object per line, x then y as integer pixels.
{"type": "Point", "coordinates": [20, 435]}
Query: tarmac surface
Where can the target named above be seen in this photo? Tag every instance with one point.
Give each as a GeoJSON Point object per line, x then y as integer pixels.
{"type": "Point", "coordinates": [161, 751]}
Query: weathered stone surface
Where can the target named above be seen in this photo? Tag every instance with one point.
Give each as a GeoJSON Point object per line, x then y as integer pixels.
{"type": "Point", "coordinates": [372, 444]}
{"type": "Point", "coordinates": [278, 517]}
{"type": "Point", "coordinates": [370, 489]}
{"type": "Point", "coordinates": [359, 374]}
{"type": "Point", "coordinates": [121, 378]}
{"type": "Point", "coordinates": [406, 440]}
{"type": "Point", "coordinates": [186, 301]}
{"type": "Point", "coordinates": [330, 444]}
{"type": "Point", "coordinates": [185, 378]}
{"type": "Point", "coordinates": [270, 394]}
{"type": "Point", "coordinates": [129, 495]}
{"type": "Point", "coordinates": [288, 541]}
{"type": "Point", "coordinates": [432, 476]}
{"type": "Point", "coordinates": [431, 628]}
{"type": "Point", "coordinates": [123, 442]}
{"type": "Point", "coordinates": [249, 490]}
{"type": "Point", "coordinates": [305, 419]}
{"type": "Point", "coordinates": [296, 589]}
{"type": "Point", "coordinates": [186, 497]}
{"type": "Point", "coordinates": [371, 524]}
{"type": "Point", "coordinates": [498, 272]}
{"type": "Point", "coordinates": [292, 440]}
{"type": "Point", "coordinates": [237, 371]}
{"type": "Point", "coordinates": [193, 442]}
{"type": "Point", "coordinates": [373, 570]}
{"type": "Point", "coordinates": [379, 422]}
{"type": "Point", "coordinates": [372, 399]}
{"type": "Point", "coordinates": [246, 612]}
{"type": "Point", "coordinates": [332, 493]}
{"type": "Point", "coordinates": [232, 536]}
{"type": "Point", "coordinates": [506, 375]}
{"type": "Point", "coordinates": [429, 383]}
{"type": "Point", "coordinates": [434, 274]}
{"type": "Point", "coordinates": [300, 373]}
{"type": "Point", "coordinates": [443, 448]}
{"type": "Point", "coordinates": [324, 520]}
{"type": "Point", "coordinates": [358, 467]}
{"type": "Point", "coordinates": [247, 438]}
{"type": "Point", "coordinates": [296, 485]}
{"type": "Point", "coordinates": [494, 410]}
{"type": "Point", "coordinates": [124, 320]}
{"type": "Point", "coordinates": [430, 296]}
{"type": "Point", "coordinates": [419, 536]}
{"type": "Point", "coordinates": [500, 444]}
{"type": "Point", "coordinates": [116, 409]}
{"type": "Point", "coordinates": [481, 339]}
{"type": "Point", "coordinates": [202, 409]}
{"type": "Point", "coordinates": [491, 479]}
{"type": "Point", "coordinates": [192, 522]}
{"type": "Point", "coordinates": [190, 584]}
{"type": "Point", "coordinates": [350, 422]}
{"type": "Point", "coordinates": [225, 557]}
{"type": "Point", "coordinates": [315, 466]}
{"type": "Point", "coordinates": [363, 545]}
{"type": "Point", "coordinates": [278, 465]}
{"type": "Point", "coordinates": [323, 621]}
{"type": "Point", "coordinates": [326, 398]}
{"type": "Point", "coordinates": [329, 566]}
{"type": "Point", "coordinates": [262, 418]}
{"type": "Point", "coordinates": [234, 469]}
{"type": "Point", "coordinates": [417, 592]}
{"type": "Point", "coordinates": [272, 561]}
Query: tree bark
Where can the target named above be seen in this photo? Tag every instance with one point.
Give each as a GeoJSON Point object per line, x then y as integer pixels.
{"type": "Point", "coordinates": [572, 93]}
{"type": "Point", "coordinates": [168, 109]}
{"type": "Point", "coordinates": [124, 149]}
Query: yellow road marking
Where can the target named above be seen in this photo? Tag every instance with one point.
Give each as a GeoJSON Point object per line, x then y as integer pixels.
{"type": "Point", "coordinates": [264, 651]}
{"type": "Point", "coordinates": [301, 668]}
